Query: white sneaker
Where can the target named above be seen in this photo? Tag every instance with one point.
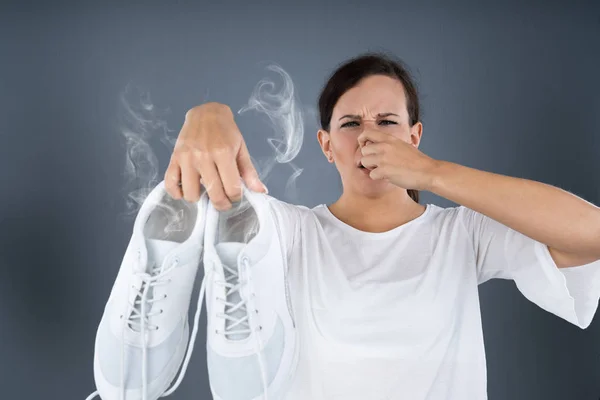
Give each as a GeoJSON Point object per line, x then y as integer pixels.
{"type": "Point", "coordinates": [251, 338]}
{"type": "Point", "coordinates": [142, 338]}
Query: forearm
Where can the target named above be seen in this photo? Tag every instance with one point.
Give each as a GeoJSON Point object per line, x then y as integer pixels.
{"type": "Point", "coordinates": [543, 212]}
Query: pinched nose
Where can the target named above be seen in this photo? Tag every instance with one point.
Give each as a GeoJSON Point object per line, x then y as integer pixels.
{"type": "Point", "coordinates": [359, 153]}
{"type": "Point", "coordinates": [363, 143]}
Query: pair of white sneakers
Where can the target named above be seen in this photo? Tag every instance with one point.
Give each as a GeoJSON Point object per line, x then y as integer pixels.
{"type": "Point", "coordinates": [143, 339]}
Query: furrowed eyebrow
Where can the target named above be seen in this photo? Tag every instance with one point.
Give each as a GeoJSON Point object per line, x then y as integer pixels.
{"type": "Point", "coordinates": [380, 115]}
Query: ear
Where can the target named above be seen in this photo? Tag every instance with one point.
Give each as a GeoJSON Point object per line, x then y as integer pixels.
{"type": "Point", "coordinates": [325, 142]}
{"type": "Point", "coordinates": [416, 132]}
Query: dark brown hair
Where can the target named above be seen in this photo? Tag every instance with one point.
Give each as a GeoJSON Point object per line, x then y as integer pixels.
{"type": "Point", "coordinates": [348, 74]}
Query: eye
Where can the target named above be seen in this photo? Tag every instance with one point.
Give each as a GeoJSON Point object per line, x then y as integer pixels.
{"type": "Point", "coordinates": [348, 124]}
{"type": "Point", "coordinates": [387, 122]}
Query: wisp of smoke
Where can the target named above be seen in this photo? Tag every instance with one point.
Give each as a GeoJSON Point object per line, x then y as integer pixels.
{"type": "Point", "coordinates": [143, 123]}
{"type": "Point", "coordinates": [140, 123]}
{"type": "Point", "coordinates": [285, 114]}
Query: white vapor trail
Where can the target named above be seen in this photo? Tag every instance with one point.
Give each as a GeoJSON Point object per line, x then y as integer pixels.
{"type": "Point", "coordinates": [143, 124]}
{"type": "Point", "coordinates": [285, 114]}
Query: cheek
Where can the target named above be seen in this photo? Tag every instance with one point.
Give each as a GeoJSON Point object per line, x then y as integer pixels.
{"type": "Point", "coordinates": [345, 146]}
{"type": "Point", "coordinates": [403, 133]}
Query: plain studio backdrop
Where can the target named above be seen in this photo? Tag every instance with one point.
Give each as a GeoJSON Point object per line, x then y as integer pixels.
{"type": "Point", "coordinates": [513, 89]}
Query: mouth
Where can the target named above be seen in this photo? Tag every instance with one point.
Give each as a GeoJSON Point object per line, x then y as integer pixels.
{"type": "Point", "coordinates": [363, 168]}
{"type": "Point", "coordinates": [359, 165]}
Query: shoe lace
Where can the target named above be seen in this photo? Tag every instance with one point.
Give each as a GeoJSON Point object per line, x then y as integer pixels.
{"type": "Point", "coordinates": [155, 277]}
{"type": "Point", "coordinates": [229, 283]}
{"type": "Point", "coordinates": [233, 283]}
{"type": "Point", "coordinates": [234, 325]}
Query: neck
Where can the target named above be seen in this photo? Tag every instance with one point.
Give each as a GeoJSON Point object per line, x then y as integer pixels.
{"type": "Point", "coordinates": [376, 214]}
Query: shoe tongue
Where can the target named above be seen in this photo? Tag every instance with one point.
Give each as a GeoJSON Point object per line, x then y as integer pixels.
{"type": "Point", "coordinates": [157, 251]}
{"type": "Point", "coordinates": [228, 253]}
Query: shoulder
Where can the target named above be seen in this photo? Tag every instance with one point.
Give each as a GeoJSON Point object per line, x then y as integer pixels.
{"type": "Point", "coordinates": [445, 215]}
{"type": "Point", "coordinates": [289, 212]}
{"type": "Point", "coordinates": [453, 221]}
{"type": "Point", "coordinates": [285, 206]}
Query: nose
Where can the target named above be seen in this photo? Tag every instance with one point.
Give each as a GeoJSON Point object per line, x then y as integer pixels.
{"type": "Point", "coordinates": [362, 144]}
{"type": "Point", "coordinates": [366, 123]}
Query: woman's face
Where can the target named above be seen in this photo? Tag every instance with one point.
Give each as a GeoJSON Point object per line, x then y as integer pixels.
{"type": "Point", "coordinates": [376, 103]}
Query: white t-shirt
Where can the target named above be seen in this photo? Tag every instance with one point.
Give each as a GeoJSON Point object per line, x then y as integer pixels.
{"type": "Point", "coordinates": [396, 315]}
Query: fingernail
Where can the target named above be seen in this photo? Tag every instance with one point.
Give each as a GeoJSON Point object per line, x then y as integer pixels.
{"type": "Point", "coordinates": [265, 189]}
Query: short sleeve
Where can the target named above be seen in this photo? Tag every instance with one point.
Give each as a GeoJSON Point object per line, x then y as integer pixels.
{"type": "Point", "coordinates": [501, 252]}
{"type": "Point", "coordinates": [287, 218]}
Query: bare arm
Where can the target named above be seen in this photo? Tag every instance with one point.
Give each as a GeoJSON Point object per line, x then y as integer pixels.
{"type": "Point", "coordinates": [567, 224]}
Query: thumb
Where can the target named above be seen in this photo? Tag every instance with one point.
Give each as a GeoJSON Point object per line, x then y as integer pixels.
{"type": "Point", "coordinates": [248, 172]}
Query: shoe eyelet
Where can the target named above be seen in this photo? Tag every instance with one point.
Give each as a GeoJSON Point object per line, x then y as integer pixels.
{"type": "Point", "coordinates": [161, 310]}
{"type": "Point", "coordinates": [165, 296]}
{"type": "Point", "coordinates": [260, 328]}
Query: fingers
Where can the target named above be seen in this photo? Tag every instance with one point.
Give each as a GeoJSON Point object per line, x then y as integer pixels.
{"type": "Point", "coordinates": [183, 179]}
{"type": "Point", "coordinates": [213, 184]}
{"type": "Point", "coordinates": [190, 179]}
{"type": "Point", "coordinates": [248, 172]}
{"type": "Point", "coordinates": [371, 148]}
{"type": "Point", "coordinates": [370, 162]}
{"type": "Point", "coordinates": [211, 152]}
{"type": "Point", "coordinates": [373, 137]}
{"type": "Point", "coordinates": [230, 175]}
{"type": "Point", "coordinates": [172, 180]}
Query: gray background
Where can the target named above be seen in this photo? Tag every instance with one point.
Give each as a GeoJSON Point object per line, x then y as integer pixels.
{"type": "Point", "coordinates": [505, 88]}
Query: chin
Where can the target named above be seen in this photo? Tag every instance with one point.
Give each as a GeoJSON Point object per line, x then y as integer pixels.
{"type": "Point", "coordinates": [373, 189]}
{"type": "Point", "coordinates": [359, 183]}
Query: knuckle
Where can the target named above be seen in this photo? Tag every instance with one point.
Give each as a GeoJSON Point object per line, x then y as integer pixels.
{"type": "Point", "coordinates": [221, 204]}
{"type": "Point", "coordinates": [171, 188]}
{"type": "Point", "coordinates": [188, 149]}
{"type": "Point", "coordinates": [199, 152]}
{"type": "Point", "coordinates": [219, 199]}
{"type": "Point", "coordinates": [197, 160]}
{"type": "Point", "coordinates": [181, 156]}
{"type": "Point", "coordinates": [181, 146]}
{"type": "Point", "coordinates": [233, 192]}
{"type": "Point", "coordinates": [222, 151]}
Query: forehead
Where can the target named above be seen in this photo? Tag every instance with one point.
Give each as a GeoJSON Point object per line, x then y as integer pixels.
{"type": "Point", "coordinates": [373, 95]}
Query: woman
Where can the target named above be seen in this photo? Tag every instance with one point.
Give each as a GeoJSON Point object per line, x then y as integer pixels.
{"type": "Point", "coordinates": [384, 288]}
